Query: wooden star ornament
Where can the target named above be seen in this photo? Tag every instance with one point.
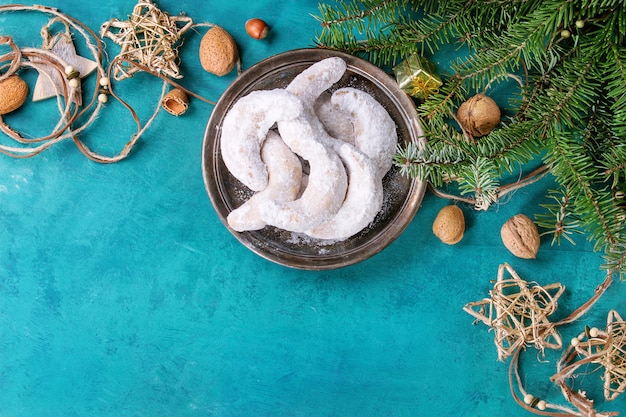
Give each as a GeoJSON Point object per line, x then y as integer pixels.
{"type": "Point", "coordinates": [50, 82]}
{"type": "Point", "coordinates": [148, 39]}
{"type": "Point", "coordinates": [517, 311]}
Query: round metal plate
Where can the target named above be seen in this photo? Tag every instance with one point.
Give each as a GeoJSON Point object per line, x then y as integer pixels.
{"type": "Point", "coordinates": [402, 195]}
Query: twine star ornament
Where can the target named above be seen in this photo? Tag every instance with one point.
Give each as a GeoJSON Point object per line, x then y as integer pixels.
{"type": "Point", "coordinates": [608, 349]}
{"type": "Point", "coordinates": [148, 39]}
{"type": "Point", "coordinates": [517, 311]}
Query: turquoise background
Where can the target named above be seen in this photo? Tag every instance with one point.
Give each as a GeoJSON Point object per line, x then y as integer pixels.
{"type": "Point", "coordinates": [122, 294]}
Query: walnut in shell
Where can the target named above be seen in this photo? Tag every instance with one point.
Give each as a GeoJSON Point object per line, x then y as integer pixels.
{"type": "Point", "coordinates": [520, 236]}
{"type": "Point", "coordinates": [449, 225]}
{"type": "Point", "coordinates": [479, 115]}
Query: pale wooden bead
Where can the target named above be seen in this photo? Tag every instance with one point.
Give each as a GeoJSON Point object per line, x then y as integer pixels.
{"type": "Point", "coordinates": [528, 398]}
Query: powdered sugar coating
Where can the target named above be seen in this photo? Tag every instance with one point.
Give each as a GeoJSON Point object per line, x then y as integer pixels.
{"type": "Point", "coordinates": [245, 127]}
{"type": "Point", "coordinates": [363, 201]}
{"type": "Point", "coordinates": [337, 124]}
{"type": "Point", "coordinates": [348, 142]}
{"type": "Point", "coordinates": [374, 130]}
{"type": "Point", "coordinates": [284, 181]}
{"type": "Point", "coordinates": [327, 180]}
{"type": "Point", "coordinates": [313, 81]}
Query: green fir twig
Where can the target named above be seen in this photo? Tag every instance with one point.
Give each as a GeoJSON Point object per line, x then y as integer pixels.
{"type": "Point", "coordinates": [570, 113]}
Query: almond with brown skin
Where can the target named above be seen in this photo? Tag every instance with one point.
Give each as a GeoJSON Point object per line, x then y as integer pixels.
{"type": "Point", "coordinates": [449, 225]}
{"type": "Point", "coordinates": [13, 93]}
{"type": "Point", "coordinates": [520, 236]}
{"type": "Point", "coordinates": [218, 51]}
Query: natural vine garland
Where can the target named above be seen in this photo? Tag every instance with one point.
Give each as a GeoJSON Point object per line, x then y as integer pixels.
{"type": "Point", "coordinates": [583, 406]}
{"type": "Point", "coordinates": [41, 59]}
{"type": "Point", "coordinates": [517, 312]}
{"type": "Point", "coordinates": [593, 346]}
{"type": "Point", "coordinates": [606, 348]}
{"type": "Point", "coordinates": [70, 112]}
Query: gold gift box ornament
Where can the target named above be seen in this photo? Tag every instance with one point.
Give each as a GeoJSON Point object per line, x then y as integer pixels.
{"type": "Point", "coordinates": [417, 77]}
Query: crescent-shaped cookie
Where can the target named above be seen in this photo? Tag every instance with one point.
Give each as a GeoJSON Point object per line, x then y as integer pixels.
{"type": "Point", "coordinates": [374, 130]}
{"type": "Point", "coordinates": [245, 127]}
{"type": "Point", "coordinates": [327, 180]}
{"type": "Point", "coordinates": [363, 201]}
{"type": "Point", "coordinates": [313, 81]}
{"type": "Point", "coordinates": [284, 181]}
{"type": "Point", "coordinates": [305, 135]}
{"type": "Point", "coordinates": [336, 123]}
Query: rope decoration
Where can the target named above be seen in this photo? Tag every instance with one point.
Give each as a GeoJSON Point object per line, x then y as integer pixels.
{"type": "Point", "coordinates": [64, 81]}
{"type": "Point", "coordinates": [47, 63]}
{"type": "Point", "coordinates": [583, 406]}
{"type": "Point", "coordinates": [606, 348]}
{"type": "Point", "coordinates": [517, 312]}
{"type": "Point", "coordinates": [148, 38]}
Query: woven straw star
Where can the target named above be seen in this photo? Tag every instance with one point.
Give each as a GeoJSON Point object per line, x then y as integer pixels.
{"type": "Point", "coordinates": [517, 312]}
{"type": "Point", "coordinates": [608, 349]}
{"type": "Point", "coordinates": [148, 39]}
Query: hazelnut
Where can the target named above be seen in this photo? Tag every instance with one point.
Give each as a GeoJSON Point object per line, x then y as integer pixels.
{"type": "Point", "coordinates": [257, 28]}
{"type": "Point", "coordinates": [449, 225]}
{"type": "Point", "coordinates": [479, 115]}
{"type": "Point", "coordinates": [520, 236]}
{"type": "Point", "coordinates": [13, 93]}
{"type": "Point", "coordinates": [175, 102]}
{"type": "Point", "coordinates": [218, 51]}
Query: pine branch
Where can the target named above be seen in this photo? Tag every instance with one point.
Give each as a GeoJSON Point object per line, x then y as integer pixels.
{"type": "Point", "coordinates": [361, 28]}
{"type": "Point", "coordinates": [432, 162]}
{"type": "Point", "coordinates": [356, 12]}
{"type": "Point", "coordinates": [571, 110]}
{"type": "Point", "coordinates": [559, 221]}
{"type": "Point", "coordinates": [600, 217]}
{"type": "Point", "coordinates": [615, 163]}
{"type": "Point", "coordinates": [477, 179]}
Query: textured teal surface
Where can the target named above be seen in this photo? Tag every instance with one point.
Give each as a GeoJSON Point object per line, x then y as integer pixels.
{"type": "Point", "coordinates": [121, 293]}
